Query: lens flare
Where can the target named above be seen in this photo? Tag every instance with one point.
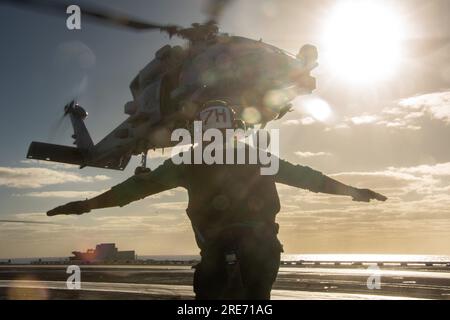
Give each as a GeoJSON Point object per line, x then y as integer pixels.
{"type": "Point", "coordinates": [251, 115]}
{"type": "Point", "coordinates": [316, 107]}
{"type": "Point", "coordinates": [27, 288]}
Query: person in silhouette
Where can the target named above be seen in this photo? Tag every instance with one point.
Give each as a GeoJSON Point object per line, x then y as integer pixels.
{"type": "Point", "coordinates": [232, 209]}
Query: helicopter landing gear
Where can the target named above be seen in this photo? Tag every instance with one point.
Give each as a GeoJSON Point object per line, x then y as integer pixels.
{"type": "Point", "coordinates": [143, 167]}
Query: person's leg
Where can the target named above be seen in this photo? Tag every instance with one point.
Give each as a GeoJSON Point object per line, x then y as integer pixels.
{"type": "Point", "coordinates": [258, 264]}
{"type": "Point", "coordinates": [210, 277]}
{"type": "Point", "coordinates": [260, 261]}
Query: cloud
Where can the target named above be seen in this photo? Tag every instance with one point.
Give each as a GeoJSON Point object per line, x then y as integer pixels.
{"type": "Point", "coordinates": [163, 222]}
{"type": "Point", "coordinates": [62, 194]}
{"type": "Point", "coordinates": [34, 222]}
{"type": "Point", "coordinates": [365, 119]}
{"type": "Point", "coordinates": [169, 195]}
{"type": "Point", "coordinates": [39, 177]}
{"type": "Point", "coordinates": [419, 198]}
{"type": "Point", "coordinates": [41, 217]}
{"type": "Point", "coordinates": [304, 121]}
{"type": "Point", "coordinates": [378, 179]}
{"type": "Point", "coordinates": [41, 225]}
{"type": "Point", "coordinates": [421, 180]}
{"type": "Point", "coordinates": [399, 124]}
{"type": "Point", "coordinates": [178, 206]}
{"type": "Point", "coordinates": [27, 222]}
{"type": "Point", "coordinates": [147, 233]}
{"type": "Point", "coordinates": [417, 192]}
{"type": "Point", "coordinates": [437, 105]}
{"type": "Point", "coordinates": [48, 164]}
{"type": "Point", "coordinates": [405, 114]}
{"type": "Point", "coordinates": [312, 154]}
{"type": "Point", "coordinates": [440, 169]}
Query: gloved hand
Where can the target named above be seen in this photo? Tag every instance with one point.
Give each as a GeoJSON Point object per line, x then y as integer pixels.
{"type": "Point", "coordinates": [365, 195]}
{"type": "Point", "coordinates": [76, 207]}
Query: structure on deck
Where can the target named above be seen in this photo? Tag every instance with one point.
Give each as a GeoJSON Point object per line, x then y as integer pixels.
{"type": "Point", "coordinates": [104, 252]}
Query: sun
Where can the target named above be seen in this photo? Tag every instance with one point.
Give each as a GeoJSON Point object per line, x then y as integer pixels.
{"type": "Point", "coordinates": [362, 40]}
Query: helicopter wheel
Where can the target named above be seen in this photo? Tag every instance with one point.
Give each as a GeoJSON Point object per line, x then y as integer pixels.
{"type": "Point", "coordinates": [142, 170]}
{"type": "Point", "coordinates": [143, 167]}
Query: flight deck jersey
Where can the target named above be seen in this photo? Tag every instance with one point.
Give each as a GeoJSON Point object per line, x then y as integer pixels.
{"type": "Point", "coordinates": [221, 195]}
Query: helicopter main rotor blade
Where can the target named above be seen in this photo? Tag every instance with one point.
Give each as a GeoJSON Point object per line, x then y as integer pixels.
{"type": "Point", "coordinates": [30, 222]}
{"type": "Point", "coordinates": [101, 15]}
{"type": "Point", "coordinates": [214, 10]}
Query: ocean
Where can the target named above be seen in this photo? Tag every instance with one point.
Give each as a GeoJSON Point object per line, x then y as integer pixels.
{"type": "Point", "coordinates": [285, 257]}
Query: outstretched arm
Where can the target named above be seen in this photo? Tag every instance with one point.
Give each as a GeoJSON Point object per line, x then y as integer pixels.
{"type": "Point", "coordinates": [315, 181]}
{"type": "Point", "coordinates": [165, 177]}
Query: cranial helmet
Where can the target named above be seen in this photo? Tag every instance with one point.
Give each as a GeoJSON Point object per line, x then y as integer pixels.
{"type": "Point", "coordinates": [216, 114]}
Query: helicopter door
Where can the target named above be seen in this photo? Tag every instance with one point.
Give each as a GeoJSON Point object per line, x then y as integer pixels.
{"type": "Point", "coordinates": [149, 104]}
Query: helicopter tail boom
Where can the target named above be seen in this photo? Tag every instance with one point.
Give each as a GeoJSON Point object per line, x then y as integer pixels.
{"type": "Point", "coordinates": [56, 153]}
{"type": "Point", "coordinates": [65, 154]}
{"type": "Point", "coordinates": [103, 155]}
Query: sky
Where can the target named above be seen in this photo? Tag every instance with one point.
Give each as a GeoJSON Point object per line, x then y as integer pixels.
{"type": "Point", "coordinates": [379, 119]}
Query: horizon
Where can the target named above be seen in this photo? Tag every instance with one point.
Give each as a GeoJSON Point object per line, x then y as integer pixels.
{"type": "Point", "coordinates": [284, 257]}
{"type": "Point", "coordinates": [377, 121]}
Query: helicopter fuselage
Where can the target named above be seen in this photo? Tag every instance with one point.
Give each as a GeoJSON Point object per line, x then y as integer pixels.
{"type": "Point", "coordinates": [256, 79]}
{"type": "Point", "coordinates": [243, 72]}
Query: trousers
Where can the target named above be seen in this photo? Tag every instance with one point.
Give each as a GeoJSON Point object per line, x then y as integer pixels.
{"type": "Point", "coordinates": [241, 268]}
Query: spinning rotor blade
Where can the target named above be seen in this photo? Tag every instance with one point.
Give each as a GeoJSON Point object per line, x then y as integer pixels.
{"type": "Point", "coordinates": [57, 124]}
{"type": "Point", "coordinates": [30, 222]}
{"type": "Point", "coordinates": [56, 127]}
{"type": "Point", "coordinates": [214, 9]}
{"type": "Point", "coordinates": [101, 15]}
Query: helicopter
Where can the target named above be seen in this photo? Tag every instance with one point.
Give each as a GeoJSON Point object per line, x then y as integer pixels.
{"type": "Point", "coordinates": [249, 75]}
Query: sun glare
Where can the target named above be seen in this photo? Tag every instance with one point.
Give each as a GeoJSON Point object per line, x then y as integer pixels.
{"type": "Point", "coordinates": [313, 106]}
{"type": "Point", "coordinates": [362, 41]}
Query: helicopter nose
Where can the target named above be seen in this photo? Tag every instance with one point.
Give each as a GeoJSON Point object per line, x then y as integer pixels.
{"type": "Point", "coordinates": [306, 83]}
{"type": "Point", "coordinates": [305, 62]}
{"type": "Point", "coordinates": [309, 56]}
